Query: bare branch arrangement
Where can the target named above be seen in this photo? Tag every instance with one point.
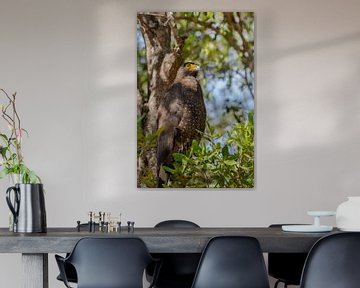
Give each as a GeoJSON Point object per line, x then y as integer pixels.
{"type": "Point", "coordinates": [12, 160]}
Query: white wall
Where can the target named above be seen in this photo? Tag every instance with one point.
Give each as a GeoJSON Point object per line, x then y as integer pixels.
{"type": "Point", "coordinates": [73, 65]}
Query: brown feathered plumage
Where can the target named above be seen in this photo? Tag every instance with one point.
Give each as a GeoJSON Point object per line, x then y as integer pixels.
{"type": "Point", "coordinates": [181, 115]}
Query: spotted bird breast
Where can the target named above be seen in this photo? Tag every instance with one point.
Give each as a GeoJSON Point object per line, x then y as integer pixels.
{"type": "Point", "coordinates": [193, 113]}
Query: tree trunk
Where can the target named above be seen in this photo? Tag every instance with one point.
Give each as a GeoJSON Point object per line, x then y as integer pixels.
{"type": "Point", "coordinates": [163, 61]}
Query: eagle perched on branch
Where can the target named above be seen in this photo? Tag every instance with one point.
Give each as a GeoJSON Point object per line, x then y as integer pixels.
{"type": "Point", "coordinates": [181, 117]}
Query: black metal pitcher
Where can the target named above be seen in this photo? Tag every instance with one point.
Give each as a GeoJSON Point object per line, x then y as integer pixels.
{"type": "Point", "coordinates": [28, 208]}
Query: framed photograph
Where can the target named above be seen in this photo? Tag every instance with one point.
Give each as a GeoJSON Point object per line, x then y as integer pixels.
{"type": "Point", "coordinates": [195, 99]}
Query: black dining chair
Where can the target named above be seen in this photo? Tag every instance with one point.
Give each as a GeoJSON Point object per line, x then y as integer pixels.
{"type": "Point", "coordinates": [333, 262]}
{"type": "Point", "coordinates": [178, 269]}
{"type": "Point", "coordinates": [286, 267]}
{"type": "Point", "coordinates": [70, 271]}
{"type": "Point", "coordinates": [232, 262]}
{"type": "Point", "coordinates": [108, 263]}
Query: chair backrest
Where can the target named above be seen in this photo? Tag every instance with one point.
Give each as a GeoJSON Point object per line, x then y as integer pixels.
{"type": "Point", "coordinates": [178, 269]}
{"type": "Point", "coordinates": [333, 262]}
{"type": "Point", "coordinates": [110, 262]}
{"type": "Point", "coordinates": [287, 267]}
{"type": "Point", "coordinates": [176, 224]}
{"type": "Point", "coordinates": [232, 262]}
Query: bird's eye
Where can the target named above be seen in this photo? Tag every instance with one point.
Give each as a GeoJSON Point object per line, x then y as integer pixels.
{"type": "Point", "coordinates": [191, 66]}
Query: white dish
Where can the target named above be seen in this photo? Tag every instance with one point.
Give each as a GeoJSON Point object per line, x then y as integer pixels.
{"type": "Point", "coordinates": [350, 229]}
{"type": "Point", "coordinates": [306, 228]}
{"type": "Point", "coordinates": [321, 213]}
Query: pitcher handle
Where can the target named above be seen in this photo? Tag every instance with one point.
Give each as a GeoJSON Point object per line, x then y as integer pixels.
{"type": "Point", "coordinates": [13, 208]}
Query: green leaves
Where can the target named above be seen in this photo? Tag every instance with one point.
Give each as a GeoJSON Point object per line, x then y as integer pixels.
{"type": "Point", "coordinates": [178, 157]}
{"type": "Point", "coordinates": [27, 175]}
{"type": "Point", "coordinates": [146, 143]}
{"type": "Point", "coordinates": [230, 162]}
{"type": "Point", "coordinates": [217, 162]}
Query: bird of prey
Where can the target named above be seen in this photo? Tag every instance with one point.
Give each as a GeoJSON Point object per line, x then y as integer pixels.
{"type": "Point", "coordinates": [181, 117]}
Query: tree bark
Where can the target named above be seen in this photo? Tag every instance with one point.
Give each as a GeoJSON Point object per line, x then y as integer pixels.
{"type": "Point", "coordinates": [163, 60]}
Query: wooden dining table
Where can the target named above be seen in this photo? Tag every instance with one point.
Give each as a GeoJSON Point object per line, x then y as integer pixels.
{"type": "Point", "coordinates": [35, 247]}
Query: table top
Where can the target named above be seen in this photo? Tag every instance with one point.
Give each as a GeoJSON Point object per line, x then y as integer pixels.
{"type": "Point", "coordinates": [158, 240]}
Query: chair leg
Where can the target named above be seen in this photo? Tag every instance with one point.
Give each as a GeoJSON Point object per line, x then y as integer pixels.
{"type": "Point", "coordinates": [279, 281]}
